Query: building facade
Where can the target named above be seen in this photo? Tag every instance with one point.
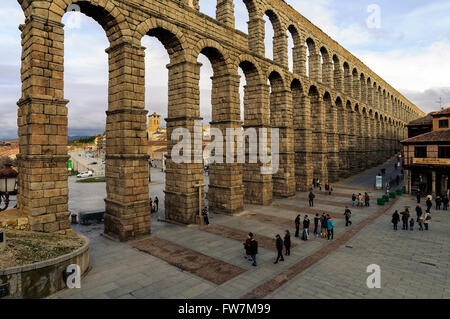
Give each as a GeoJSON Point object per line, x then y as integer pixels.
{"type": "Point", "coordinates": [427, 156]}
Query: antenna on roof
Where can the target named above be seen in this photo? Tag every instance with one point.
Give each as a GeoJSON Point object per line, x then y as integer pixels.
{"type": "Point", "coordinates": [440, 103]}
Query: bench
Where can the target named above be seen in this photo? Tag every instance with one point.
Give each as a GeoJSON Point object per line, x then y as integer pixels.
{"type": "Point", "coordinates": [86, 217]}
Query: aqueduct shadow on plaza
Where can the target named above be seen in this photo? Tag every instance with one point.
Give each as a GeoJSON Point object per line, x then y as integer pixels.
{"type": "Point", "coordinates": [335, 119]}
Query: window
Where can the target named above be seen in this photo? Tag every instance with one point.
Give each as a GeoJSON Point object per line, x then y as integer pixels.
{"type": "Point", "coordinates": [443, 123]}
{"type": "Point", "coordinates": [444, 152]}
{"type": "Point", "coordinates": [420, 152]}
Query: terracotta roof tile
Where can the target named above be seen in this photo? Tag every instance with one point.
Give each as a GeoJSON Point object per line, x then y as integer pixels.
{"type": "Point", "coordinates": [435, 136]}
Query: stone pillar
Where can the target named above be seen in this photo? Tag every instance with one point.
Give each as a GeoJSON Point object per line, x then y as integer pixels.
{"type": "Point", "coordinates": [256, 33]}
{"type": "Point", "coordinates": [338, 79]}
{"type": "Point", "coordinates": [42, 127]}
{"type": "Point", "coordinates": [327, 73]}
{"type": "Point", "coordinates": [280, 49]}
{"type": "Point", "coordinates": [127, 213]}
{"type": "Point", "coordinates": [226, 190]}
{"type": "Point", "coordinates": [363, 91]}
{"type": "Point", "coordinates": [319, 140]}
{"type": "Point", "coordinates": [282, 119]}
{"type": "Point", "coordinates": [333, 145]}
{"type": "Point", "coordinates": [299, 57]}
{"type": "Point", "coordinates": [352, 142]}
{"type": "Point", "coordinates": [302, 141]}
{"type": "Point", "coordinates": [379, 141]}
{"type": "Point", "coordinates": [258, 187]}
{"type": "Point", "coordinates": [315, 67]}
{"type": "Point", "coordinates": [225, 12]}
{"type": "Point", "coordinates": [368, 142]}
{"type": "Point", "coordinates": [343, 130]}
{"type": "Point", "coordinates": [433, 183]}
{"type": "Point", "coordinates": [361, 147]}
{"type": "Point", "coordinates": [356, 87]}
{"type": "Point", "coordinates": [348, 87]}
{"type": "Point", "coordinates": [181, 194]}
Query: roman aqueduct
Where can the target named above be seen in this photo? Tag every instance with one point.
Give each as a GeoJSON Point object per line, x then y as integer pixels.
{"type": "Point", "coordinates": [335, 119]}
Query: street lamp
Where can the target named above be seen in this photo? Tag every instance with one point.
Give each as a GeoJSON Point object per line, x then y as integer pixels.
{"type": "Point", "coordinates": [8, 180]}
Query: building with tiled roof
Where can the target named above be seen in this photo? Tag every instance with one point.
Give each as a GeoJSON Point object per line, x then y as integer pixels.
{"type": "Point", "coordinates": [427, 155]}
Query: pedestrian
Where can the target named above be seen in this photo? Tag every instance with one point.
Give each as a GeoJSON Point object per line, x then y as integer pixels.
{"type": "Point", "coordinates": [330, 227]}
{"type": "Point", "coordinates": [311, 197]}
{"type": "Point", "coordinates": [411, 224]}
{"type": "Point", "coordinates": [395, 219]}
{"type": "Point", "coordinates": [367, 199]}
{"type": "Point", "coordinates": [247, 247]}
{"type": "Point", "coordinates": [427, 219]}
{"type": "Point", "coordinates": [323, 226]}
{"type": "Point", "coordinates": [306, 223]}
{"type": "Point", "coordinates": [418, 197]}
{"type": "Point", "coordinates": [353, 200]}
{"type": "Point", "coordinates": [360, 200]}
{"type": "Point", "coordinates": [279, 245]}
{"type": "Point", "coordinates": [405, 218]}
{"type": "Point", "coordinates": [297, 225]}
{"type": "Point", "coordinates": [314, 183]}
{"type": "Point", "coordinates": [429, 203]}
{"type": "Point", "coordinates": [319, 185]}
{"type": "Point", "coordinates": [157, 203]}
{"type": "Point", "coordinates": [316, 225]}
{"type": "Point", "coordinates": [438, 202]}
{"type": "Point", "coordinates": [330, 189]}
{"type": "Point", "coordinates": [287, 242]}
{"type": "Point", "coordinates": [205, 215]}
{"type": "Point", "coordinates": [253, 248]}
{"type": "Point", "coordinates": [421, 223]}
{"type": "Point", "coordinates": [348, 215]}
{"type": "Point", "coordinates": [445, 202]}
{"type": "Point", "coordinates": [151, 206]}
{"type": "Point", "coordinates": [419, 212]}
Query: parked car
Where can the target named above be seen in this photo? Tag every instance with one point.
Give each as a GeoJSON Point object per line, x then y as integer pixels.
{"type": "Point", "coordinates": [85, 174]}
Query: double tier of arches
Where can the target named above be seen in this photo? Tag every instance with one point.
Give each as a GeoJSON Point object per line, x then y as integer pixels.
{"type": "Point", "coordinates": [332, 122]}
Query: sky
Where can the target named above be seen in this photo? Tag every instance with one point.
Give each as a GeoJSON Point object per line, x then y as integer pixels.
{"type": "Point", "coordinates": [406, 42]}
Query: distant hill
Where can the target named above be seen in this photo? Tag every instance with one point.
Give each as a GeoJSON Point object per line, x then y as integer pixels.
{"type": "Point", "coordinates": [76, 137]}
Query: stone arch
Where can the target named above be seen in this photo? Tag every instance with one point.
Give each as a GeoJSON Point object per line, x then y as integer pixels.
{"type": "Point", "coordinates": [250, 66]}
{"type": "Point", "coordinates": [279, 39]}
{"type": "Point", "coordinates": [347, 78]}
{"type": "Point", "coordinates": [103, 12]}
{"type": "Point", "coordinates": [220, 59]}
{"type": "Point", "coordinates": [297, 51]}
{"type": "Point", "coordinates": [153, 25]}
{"type": "Point", "coordinates": [326, 66]}
{"type": "Point", "coordinates": [338, 80]}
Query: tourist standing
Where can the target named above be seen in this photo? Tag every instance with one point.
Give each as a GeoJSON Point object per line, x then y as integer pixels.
{"type": "Point", "coordinates": [205, 215]}
{"type": "Point", "coordinates": [420, 223]}
{"type": "Point", "coordinates": [395, 219]}
{"type": "Point", "coordinates": [279, 245]}
{"type": "Point", "coordinates": [297, 225]}
{"type": "Point", "coordinates": [445, 202]}
{"type": "Point", "coordinates": [247, 246]}
{"type": "Point", "coordinates": [438, 202]}
{"type": "Point", "coordinates": [157, 203]}
{"type": "Point", "coordinates": [405, 218]}
{"type": "Point", "coordinates": [367, 199]}
{"type": "Point", "coordinates": [287, 243]}
{"type": "Point", "coordinates": [360, 200]}
{"type": "Point", "coordinates": [311, 197]}
{"type": "Point", "coordinates": [330, 227]}
{"type": "Point", "coordinates": [253, 248]}
{"type": "Point", "coordinates": [419, 212]}
{"type": "Point", "coordinates": [316, 225]}
{"type": "Point", "coordinates": [353, 200]}
{"type": "Point", "coordinates": [418, 197]}
{"type": "Point", "coordinates": [323, 226]}
{"type": "Point", "coordinates": [306, 223]}
{"type": "Point", "coordinates": [151, 206]}
{"type": "Point", "coordinates": [348, 215]}
{"type": "Point", "coordinates": [429, 203]}
{"type": "Point", "coordinates": [427, 219]}
{"type": "Point", "coordinates": [411, 224]}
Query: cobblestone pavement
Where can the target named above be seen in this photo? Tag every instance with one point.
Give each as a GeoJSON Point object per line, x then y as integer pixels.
{"type": "Point", "coordinates": [413, 264]}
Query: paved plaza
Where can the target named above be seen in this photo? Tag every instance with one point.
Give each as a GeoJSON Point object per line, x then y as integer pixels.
{"type": "Point", "coordinates": [413, 264]}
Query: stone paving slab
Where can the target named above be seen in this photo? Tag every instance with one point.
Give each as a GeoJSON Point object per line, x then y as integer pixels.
{"type": "Point", "coordinates": [186, 259]}
{"type": "Point", "coordinates": [311, 211]}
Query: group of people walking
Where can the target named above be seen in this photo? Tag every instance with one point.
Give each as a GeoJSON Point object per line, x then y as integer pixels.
{"type": "Point", "coordinates": [361, 200]}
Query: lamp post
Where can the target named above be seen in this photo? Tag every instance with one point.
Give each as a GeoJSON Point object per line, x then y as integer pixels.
{"type": "Point", "coordinates": [8, 180]}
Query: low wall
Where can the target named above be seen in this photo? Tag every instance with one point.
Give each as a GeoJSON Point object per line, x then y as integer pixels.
{"type": "Point", "coordinates": [45, 278]}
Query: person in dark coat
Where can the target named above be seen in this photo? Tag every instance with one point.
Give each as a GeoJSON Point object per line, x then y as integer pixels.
{"type": "Point", "coordinates": [157, 203]}
{"type": "Point", "coordinates": [418, 197]}
{"type": "Point", "coordinates": [316, 225]}
{"type": "Point", "coordinates": [297, 225]}
{"type": "Point", "coordinates": [323, 226]}
{"type": "Point", "coordinates": [419, 212]}
{"type": "Point", "coordinates": [205, 215]}
{"type": "Point", "coordinates": [279, 245]}
{"type": "Point", "coordinates": [438, 202]}
{"type": "Point", "coordinates": [287, 242]}
{"type": "Point", "coordinates": [253, 248]}
{"type": "Point", "coordinates": [306, 223]}
{"type": "Point", "coordinates": [405, 218]}
{"type": "Point", "coordinates": [395, 219]}
{"type": "Point", "coordinates": [247, 246]}
{"type": "Point", "coordinates": [347, 215]}
{"type": "Point", "coordinates": [311, 199]}
{"type": "Point", "coordinates": [445, 202]}
{"type": "Point", "coordinates": [429, 204]}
